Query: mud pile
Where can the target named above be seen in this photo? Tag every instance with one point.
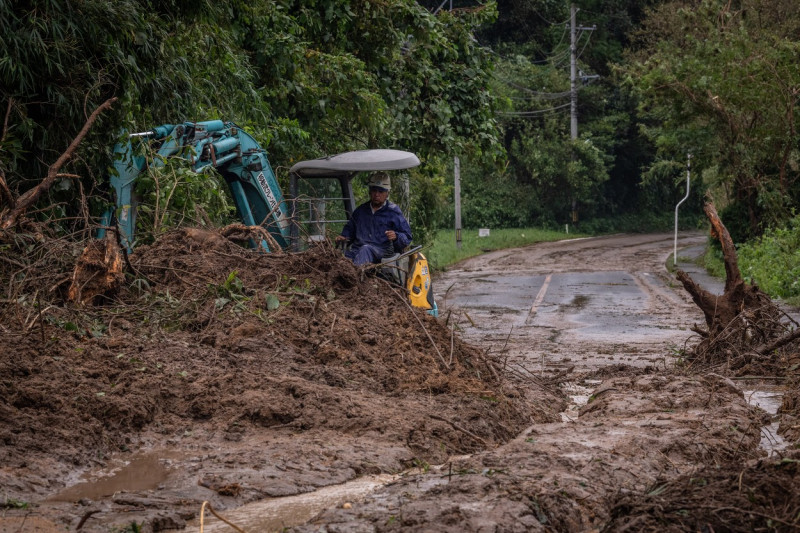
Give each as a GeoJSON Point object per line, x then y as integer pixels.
{"type": "Point", "coordinates": [208, 337]}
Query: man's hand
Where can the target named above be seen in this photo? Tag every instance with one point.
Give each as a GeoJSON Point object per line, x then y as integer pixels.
{"type": "Point", "coordinates": [391, 235]}
{"type": "Point", "coordinates": [340, 238]}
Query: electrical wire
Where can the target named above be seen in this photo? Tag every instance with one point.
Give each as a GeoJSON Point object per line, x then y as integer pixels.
{"type": "Point", "coordinates": [533, 113]}
{"type": "Point", "coordinates": [584, 46]}
{"type": "Point", "coordinates": [543, 96]}
{"type": "Point", "coordinates": [531, 91]}
{"type": "Point", "coordinates": [548, 21]}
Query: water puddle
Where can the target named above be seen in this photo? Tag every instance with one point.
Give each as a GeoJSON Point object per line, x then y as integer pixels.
{"type": "Point", "coordinates": [769, 400]}
{"type": "Point", "coordinates": [274, 514]}
{"type": "Point", "coordinates": [140, 472]}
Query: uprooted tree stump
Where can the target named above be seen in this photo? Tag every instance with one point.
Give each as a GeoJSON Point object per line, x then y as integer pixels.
{"type": "Point", "coordinates": [98, 272]}
{"type": "Point", "coordinates": [743, 323]}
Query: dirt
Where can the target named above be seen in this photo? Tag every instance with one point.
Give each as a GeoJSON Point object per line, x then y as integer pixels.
{"type": "Point", "coordinates": [248, 375]}
{"type": "Point", "coordinates": [222, 375]}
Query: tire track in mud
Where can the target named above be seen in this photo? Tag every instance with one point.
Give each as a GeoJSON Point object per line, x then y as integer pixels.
{"type": "Point", "coordinates": [639, 424]}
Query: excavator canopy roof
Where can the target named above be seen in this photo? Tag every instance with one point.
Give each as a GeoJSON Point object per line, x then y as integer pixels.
{"type": "Point", "coordinates": [359, 161]}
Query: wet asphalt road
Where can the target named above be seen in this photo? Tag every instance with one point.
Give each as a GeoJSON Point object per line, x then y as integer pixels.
{"type": "Point", "coordinates": [582, 303]}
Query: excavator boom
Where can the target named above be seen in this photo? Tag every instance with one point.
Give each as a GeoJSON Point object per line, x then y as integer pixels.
{"type": "Point", "coordinates": [221, 145]}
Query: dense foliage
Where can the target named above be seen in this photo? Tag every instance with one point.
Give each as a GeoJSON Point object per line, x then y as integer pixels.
{"type": "Point", "coordinates": [773, 261]}
{"type": "Point", "coordinates": [550, 179]}
{"type": "Point", "coordinates": [305, 78]}
{"type": "Point", "coordinates": [720, 78]}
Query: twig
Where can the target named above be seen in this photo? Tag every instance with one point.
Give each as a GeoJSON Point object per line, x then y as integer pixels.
{"type": "Point", "coordinates": [461, 429]}
{"type": "Point", "coordinates": [203, 512]}
{"type": "Point", "coordinates": [747, 511]}
{"type": "Point", "coordinates": [528, 375]}
{"type": "Point", "coordinates": [405, 301]}
{"type": "Point", "coordinates": [502, 350]}
{"type": "Point", "coordinates": [452, 342]}
{"type": "Point", "coordinates": [41, 322]}
{"type": "Point", "coordinates": [745, 378]}
{"type": "Point", "coordinates": [13, 262]}
{"type": "Point", "coordinates": [790, 318]}
{"type": "Point", "coordinates": [470, 319]}
{"type": "Point", "coordinates": [6, 119]}
{"type": "Point", "coordinates": [85, 517]}
{"type": "Point", "coordinates": [490, 365]}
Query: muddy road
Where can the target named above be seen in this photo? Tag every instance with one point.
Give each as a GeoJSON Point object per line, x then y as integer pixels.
{"type": "Point", "coordinates": [600, 323]}
{"type": "Point", "coordinates": [578, 304]}
{"type": "Point", "coordinates": [550, 395]}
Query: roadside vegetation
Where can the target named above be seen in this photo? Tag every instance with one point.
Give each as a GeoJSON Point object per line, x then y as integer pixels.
{"type": "Point", "coordinates": [487, 83]}
{"type": "Point", "coordinates": [773, 262]}
{"type": "Point", "coordinates": [444, 252]}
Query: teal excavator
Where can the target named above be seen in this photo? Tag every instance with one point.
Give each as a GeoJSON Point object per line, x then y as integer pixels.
{"type": "Point", "coordinates": [321, 192]}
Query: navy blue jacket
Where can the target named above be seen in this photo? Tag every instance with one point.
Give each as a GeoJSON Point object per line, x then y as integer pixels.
{"type": "Point", "coordinates": [364, 227]}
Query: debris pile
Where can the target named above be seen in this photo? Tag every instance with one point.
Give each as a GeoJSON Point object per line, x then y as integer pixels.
{"type": "Point", "coordinates": [206, 334]}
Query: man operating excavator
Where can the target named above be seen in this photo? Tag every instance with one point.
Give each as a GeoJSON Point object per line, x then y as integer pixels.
{"type": "Point", "coordinates": [377, 228]}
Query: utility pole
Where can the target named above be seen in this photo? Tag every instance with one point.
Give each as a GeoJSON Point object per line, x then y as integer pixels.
{"type": "Point", "coordinates": [573, 73]}
{"type": "Point", "coordinates": [573, 69]}
{"type": "Point", "coordinates": [573, 83]}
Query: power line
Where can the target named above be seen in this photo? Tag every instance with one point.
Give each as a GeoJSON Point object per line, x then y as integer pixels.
{"type": "Point", "coordinates": [533, 113]}
{"type": "Point", "coordinates": [540, 94]}
{"type": "Point", "coordinates": [548, 21]}
{"type": "Point", "coordinates": [584, 44]}
{"type": "Point", "coordinates": [548, 96]}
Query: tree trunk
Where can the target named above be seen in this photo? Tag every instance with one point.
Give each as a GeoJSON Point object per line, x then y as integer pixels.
{"type": "Point", "coordinates": [742, 317]}
{"type": "Point", "coordinates": [98, 272]}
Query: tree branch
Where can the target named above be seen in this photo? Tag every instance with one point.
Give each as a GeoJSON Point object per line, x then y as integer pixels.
{"type": "Point", "coordinates": [30, 197]}
{"type": "Point", "coordinates": [6, 198]}
{"type": "Point", "coordinates": [777, 343]}
{"type": "Point", "coordinates": [732, 275]}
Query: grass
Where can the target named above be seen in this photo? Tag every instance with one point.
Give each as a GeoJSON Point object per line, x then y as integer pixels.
{"type": "Point", "coordinates": [444, 253]}
{"type": "Point", "coordinates": [714, 264]}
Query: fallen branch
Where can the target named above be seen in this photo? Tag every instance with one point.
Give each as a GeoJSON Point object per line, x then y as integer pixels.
{"type": "Point", "coordinates": [461, 429]}
{"type": "Point", "coordinates": [30, 197]}
{"type": "Point", "coordinates": [739, 322]}
{"type": "Point", "coordinates": [777, 343]}
{"type": "Point", "coordinates": [241, 232]}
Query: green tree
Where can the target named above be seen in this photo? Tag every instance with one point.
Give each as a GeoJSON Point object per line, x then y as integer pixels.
{"type": "Point", "coordinates": [305, 78]}
{"type": "Point", "coordinates": [721, 79]}
{"type": "Point", "coordinates": [601, 174]}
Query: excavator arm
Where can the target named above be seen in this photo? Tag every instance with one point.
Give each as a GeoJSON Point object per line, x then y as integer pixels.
{"type": "Point", "coordinates": [222, 145]}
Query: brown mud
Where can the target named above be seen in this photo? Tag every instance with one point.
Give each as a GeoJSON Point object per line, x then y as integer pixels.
{"type": "Point", "coordinates": [221, 375]}
{"type": "Point", "coordinates": [228, 376]}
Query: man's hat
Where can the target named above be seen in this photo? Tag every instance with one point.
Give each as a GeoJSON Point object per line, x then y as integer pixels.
{"type": "Point", "coordinates": [380, 180]}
